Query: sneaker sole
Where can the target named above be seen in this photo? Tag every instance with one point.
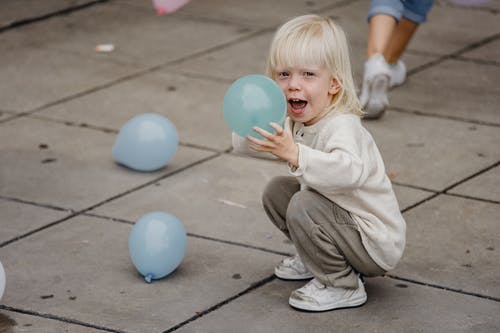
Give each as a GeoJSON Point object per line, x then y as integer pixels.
{"type": "Point", "coordinates": [327, 307]}
{"type": "Point", "coordinates": [285, 276]}
{"type": "Point", "coordinates": [377, 100]}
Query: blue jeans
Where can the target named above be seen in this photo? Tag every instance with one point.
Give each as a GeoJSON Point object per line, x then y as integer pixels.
{"type": "Point", "coordinates": [413, 10]}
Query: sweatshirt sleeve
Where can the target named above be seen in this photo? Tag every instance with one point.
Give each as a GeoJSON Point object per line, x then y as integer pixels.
{"type": "Point", "coordinates": [337, 164]}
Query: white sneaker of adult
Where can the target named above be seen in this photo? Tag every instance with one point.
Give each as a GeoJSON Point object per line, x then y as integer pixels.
{"type": "Point", "coordinates": [292, 268]}
{"type": "Point", "coordinates": [376, 80]}
{"type": "Point", "coordinates": [315, 296]}
{"type": "Point", "coordinates": [398, 73]}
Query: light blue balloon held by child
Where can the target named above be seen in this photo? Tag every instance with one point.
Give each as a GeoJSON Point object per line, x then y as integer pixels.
{"type": "Point", "coordinates": [157, 245]}
{"type": "Point", "coordinates": [146, 142]}
{"type": "Point", "coordinates": [253, 101]}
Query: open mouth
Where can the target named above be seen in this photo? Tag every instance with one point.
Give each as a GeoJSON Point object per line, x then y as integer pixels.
{"type": "Point", "coordinates": [297, 104]}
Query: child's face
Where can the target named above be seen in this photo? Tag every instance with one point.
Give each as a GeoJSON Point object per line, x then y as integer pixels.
{"type": "Point", "coordinates": [308, 91]}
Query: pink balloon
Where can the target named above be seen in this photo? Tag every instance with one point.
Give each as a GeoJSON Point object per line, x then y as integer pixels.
{"type": "Point", "coordinates": [168, 6]}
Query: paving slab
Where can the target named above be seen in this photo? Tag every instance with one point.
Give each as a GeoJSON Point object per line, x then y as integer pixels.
{"type": "Point", "coordinates": [488, 52]}
{"type": "Point", "coordinates": [94, 281]}
{"type": "Point", "coordinates": [14, 11]}
{"type": "Point", "coordinates": [246, 57]}
{"type": "Point", "coordinates": [258, 13]}
{"type": "Point", "coordinates": [392, 307]}
{"type": "Point", "coordinates": [19, 218]}
{"type": "Point", "coordinates": [13, 322]}
{"type": "Point", "coordinates": [453, 242]}
{"type": "Point", "coordinates": [56, 67]}
{"type": "Point", "coordinates": [487, 5]}
{"type": "Point", "coordinates": [430, 152]}
{"type": "Point", "coordinates": [485, 186]}
{"type": "Point", "coordinates": [464, 26]}
{"type": "Point", "coordinates": [4, 115]}
{"type": "Point", "coordinates": [408, 196]}
{"type": "Point", "coordinates": [156, 39]}
{"type": "Point", "coordinates": [220, 198]}
{"type": "Point", "coordinates": [38, 77]}
{"type": "Point", "coordinates": [194, 105]}
{"type": "Point", "coordinates": [75, 170]}
{"type": "Point", "coordinates": [466, 90]}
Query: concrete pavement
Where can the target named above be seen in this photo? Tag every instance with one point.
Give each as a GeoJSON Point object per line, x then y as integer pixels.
{"type": "Point", "coordinates": [67, 209]}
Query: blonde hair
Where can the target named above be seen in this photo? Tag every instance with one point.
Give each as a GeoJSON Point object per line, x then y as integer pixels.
{"type": "Point", "coordinates": [316, 40]}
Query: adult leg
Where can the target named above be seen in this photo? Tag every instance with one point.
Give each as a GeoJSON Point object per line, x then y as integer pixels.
{"type": "Point", "coordinates": [401, 36]}
{"type": "Point", "coordinates": [414, 13]}
{"type": "Point", "coordinates": [381, 27]}
{"type": "Point", "coordinates": [383, 16]}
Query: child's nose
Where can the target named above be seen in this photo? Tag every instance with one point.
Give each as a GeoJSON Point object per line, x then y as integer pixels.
{"type": "Point", "coordinates": [294, 83]}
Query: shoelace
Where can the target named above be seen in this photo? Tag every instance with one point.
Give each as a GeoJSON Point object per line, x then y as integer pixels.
{"type": "Point", "coordinates": [295, 263]}
{"type": "Point", "coordinates": [312, 287]}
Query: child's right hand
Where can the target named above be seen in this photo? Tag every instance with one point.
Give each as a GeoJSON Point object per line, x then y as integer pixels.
{"type": "Point", "coordinates": [280, 143]}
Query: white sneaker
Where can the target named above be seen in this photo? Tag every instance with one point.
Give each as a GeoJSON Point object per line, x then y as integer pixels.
{"type": "Point", "coordinates": [376, 80]}
{"type": "Point", "coordinates": [398, 73]}
{"type": "Point", "coordinates": [315, 296]}
{"type": "Point", "coordinates": [292, 268]}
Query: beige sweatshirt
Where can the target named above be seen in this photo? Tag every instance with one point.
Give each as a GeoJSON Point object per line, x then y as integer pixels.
{"type": "Point", "coordinates": [338, 158]}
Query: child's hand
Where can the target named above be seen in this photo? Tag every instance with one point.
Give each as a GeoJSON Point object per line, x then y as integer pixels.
{"type": "Point", "coordinates": [280, 144]}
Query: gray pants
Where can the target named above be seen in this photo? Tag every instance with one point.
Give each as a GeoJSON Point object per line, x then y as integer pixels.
{"type": "Point", "coordinates": [324, 234]}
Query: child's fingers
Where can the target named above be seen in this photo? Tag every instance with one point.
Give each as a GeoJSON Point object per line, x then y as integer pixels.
{"type": "Point", "coordinates": [277, 128]}
{"type": "Point", "coordinates": [259, 144]}
{"type": "Point", "coordinates": [256, 141]}
{"type": "Point", "coordinates": [263, 132]}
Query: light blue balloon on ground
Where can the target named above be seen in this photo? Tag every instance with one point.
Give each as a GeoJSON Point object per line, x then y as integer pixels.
{"type": "Point", "coordinates": [2, 280]}
{"type": "Point", "coordinates": [157, 245]}
{"type": "Point", "coordinates": [146, 142]}
{"type": "Point", "coordinates": [254, 100]}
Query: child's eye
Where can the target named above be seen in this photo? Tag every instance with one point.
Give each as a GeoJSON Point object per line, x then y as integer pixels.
{"type": "Point", "coordinates": [308, 74]}
{"type": "Point", "coordinates": [283, 75]}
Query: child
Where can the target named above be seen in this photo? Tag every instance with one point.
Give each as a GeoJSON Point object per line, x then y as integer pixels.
{"type": "Point", "coordinates": [337, 207]}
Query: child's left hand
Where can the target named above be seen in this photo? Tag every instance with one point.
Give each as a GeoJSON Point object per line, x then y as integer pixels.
{"type": "Point", "coordinates": [280, 144]}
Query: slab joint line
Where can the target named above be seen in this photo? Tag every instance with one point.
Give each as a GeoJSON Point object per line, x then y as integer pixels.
{"type": "Point", "coordinates": [494, 165]}
{"type": "Point", "coordinates": [253, 247]}
{"type": "Point", "coordinates": [64, 11]}
{"type": "Point", "coordinates": [223, 303]}
{"type": "Point", "coordinates": [441, 116]}
{"type": "Point", "coordinates": [436, 286]}
{"type": "Point", "coordinates": [58, 318]}
{"type": "Point", "coordinates": [83, 211]}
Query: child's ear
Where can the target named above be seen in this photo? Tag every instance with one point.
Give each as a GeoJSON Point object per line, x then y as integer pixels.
{"type": "Point", "coordinates": [334, 86]}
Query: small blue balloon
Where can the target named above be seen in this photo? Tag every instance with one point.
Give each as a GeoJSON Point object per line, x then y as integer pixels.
{"type": "Point", "coordinates": [2, 280]}
{"type": "Point", "coordinates": [157, 245]}
{"type": "Point", "coordinates": [254, 100]}
{"type": "Point", "coordinates": [146, 142]}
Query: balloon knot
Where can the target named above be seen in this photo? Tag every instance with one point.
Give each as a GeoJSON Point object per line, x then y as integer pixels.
{"type": "Point", "coordinates": [148, 278]}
